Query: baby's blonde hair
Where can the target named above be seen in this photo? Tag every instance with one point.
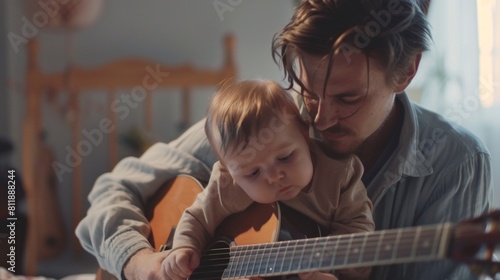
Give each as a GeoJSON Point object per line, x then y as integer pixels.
{"type": "Point", "coordinates": [240, 110]}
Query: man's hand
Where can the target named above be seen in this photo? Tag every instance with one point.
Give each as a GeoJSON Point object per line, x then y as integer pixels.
{"type": "Point", "coordinates": [180, 263]}
{"type": "Point", "coordinates": [146, 264]}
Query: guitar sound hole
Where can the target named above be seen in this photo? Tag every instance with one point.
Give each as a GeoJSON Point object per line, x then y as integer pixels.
{"type": "Point", "coordinates": [213, 262]}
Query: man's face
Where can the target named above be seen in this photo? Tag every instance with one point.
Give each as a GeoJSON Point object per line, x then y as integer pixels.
{"type": "Point", "coordinates": [353, 106]}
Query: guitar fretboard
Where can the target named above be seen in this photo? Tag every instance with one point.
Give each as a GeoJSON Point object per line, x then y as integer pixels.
{"type": "Point", "coordinates": [336, 252]}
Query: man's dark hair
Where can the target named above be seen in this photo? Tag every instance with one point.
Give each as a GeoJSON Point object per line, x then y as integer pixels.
{"type": "Point", "coordinates": [392, 32]}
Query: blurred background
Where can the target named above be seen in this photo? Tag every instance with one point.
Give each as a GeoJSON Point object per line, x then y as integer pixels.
{"type": "Point", "coordinates": [63, 122]}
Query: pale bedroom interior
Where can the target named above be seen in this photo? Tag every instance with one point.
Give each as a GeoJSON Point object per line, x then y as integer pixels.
{"type": "Point", "coordinates": [85, 83]}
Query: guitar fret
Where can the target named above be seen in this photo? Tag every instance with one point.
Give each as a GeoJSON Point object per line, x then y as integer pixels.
{"type": "Point", "coordinates": [356, 250]}
{"type": "Point", "coordinates": [426, 242]}
{"type": "Point", "coordinates": [405, 244]}
{"type": "Point", "coordinates": [324, 254]}
{"type": "Point", "coordinates": [285, 254]}
{"type": "Point", "coordinates": [369, 249]}
{"type": "Point", "coordinates": [363, 247]}
{"type": "Point", "coordinates": [261, 267]}
{"type": "Point", "coordinates": [230, 265]}
{"type": "Point", "coordinates": [347, 251]}
{"type": "Point", "coordinates": [444, 240]}
{"type": "Point", "coordinates": [386, 250]}
{"type": "Point", "coordinates": [379, 245]}
{"type": "Point", "coordinates": [294, 263]}
{"type": "Point", "coordinates": [396, 244]}
{"type": "Point", "coordinates": [244, 261]}
{"type": "Point", "coordinates": [334, 255]}
{"type": "Point", "coordinates": [439, 234]}
{"type": "Point", "coordinates": [301, 256]}
{"type": "Point", "coordinates": [236, 262]}
{"type": "Point", "coordinates": [254, 262]}
{"type": "Point", "coordinates": [275, 255]}
{"type": "Point", "coordinates": [415, 242]}
{"type": "Point", "coordinates": [436, 238]}
{"type": "Point", "coordinates": [306, 257]}
{"type": "Point", "coordinates": [241, 260]}
{"type": "Point", "coordinates": [312, 259]}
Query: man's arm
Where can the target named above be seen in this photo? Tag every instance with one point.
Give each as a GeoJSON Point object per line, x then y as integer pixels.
{"type": "Point", "coordinates": [115, 227]}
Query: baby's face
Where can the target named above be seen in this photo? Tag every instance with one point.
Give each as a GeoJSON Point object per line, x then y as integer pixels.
{"type": "Point", "coordinates": [275, 165]}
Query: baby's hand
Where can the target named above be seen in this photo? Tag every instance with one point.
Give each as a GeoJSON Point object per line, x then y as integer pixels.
{"type": "Point", "coordinates": [180, 263]}
{"type": "Point", "coordinates": [316, 276]}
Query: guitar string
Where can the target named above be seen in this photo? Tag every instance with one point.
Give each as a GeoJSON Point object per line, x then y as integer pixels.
{"type": "Point", "coordinates": [238, 272]}
{"type": "Point", "coordinates": [297, 243]}
{"type": "Point", "coordinates": [251, 249]}
{"type": "Point", "coordinates": [327, 239]}
{"type": "Point", "coordinates": [305, 245]}
{"type": "Point", "coordinates": [269, 247]}
{"type": "Point", "coordinates": [344, 257]}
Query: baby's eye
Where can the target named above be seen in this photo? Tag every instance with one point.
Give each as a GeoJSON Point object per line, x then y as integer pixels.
{"type": "Point", "coordinates": [287, 157]}
{"type": "Point", "coordinates": [253, 174]}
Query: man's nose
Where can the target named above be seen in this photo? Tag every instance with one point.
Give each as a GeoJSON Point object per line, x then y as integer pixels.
{"type": "Point", "coordinates": [326, 116]}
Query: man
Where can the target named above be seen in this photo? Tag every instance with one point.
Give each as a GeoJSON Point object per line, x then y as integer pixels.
{"type": "Point", "coordinates": [351, 61]}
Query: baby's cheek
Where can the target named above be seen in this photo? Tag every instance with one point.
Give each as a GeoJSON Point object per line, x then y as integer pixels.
{"type": "Point", "coordinates": [256, 193]}
{"type": "Point", "coordinates": [307, 172]}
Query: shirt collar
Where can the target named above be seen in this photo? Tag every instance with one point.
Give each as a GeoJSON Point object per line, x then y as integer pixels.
{"type": "Point", "coordinates": [409, 157]}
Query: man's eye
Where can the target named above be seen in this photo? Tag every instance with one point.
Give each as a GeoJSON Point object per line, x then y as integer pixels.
{"type": "Point", "coordinates": [349, 100]}
{"type": "Point", "coordinates": [310, 99]}
{"type": "Point", "coordinates": [309, 96]}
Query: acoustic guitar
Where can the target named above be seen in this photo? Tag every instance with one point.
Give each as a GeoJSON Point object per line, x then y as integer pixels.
{"type": "Point", "coordinates": [273, 241]}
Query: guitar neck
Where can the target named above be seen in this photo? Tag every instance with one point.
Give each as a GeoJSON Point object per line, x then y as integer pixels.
{"type": "Point", "coordinates": [337, 252]}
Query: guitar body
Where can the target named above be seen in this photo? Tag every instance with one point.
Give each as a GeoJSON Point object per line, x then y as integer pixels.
{"type": "Point", "coordinates": [260, 223]}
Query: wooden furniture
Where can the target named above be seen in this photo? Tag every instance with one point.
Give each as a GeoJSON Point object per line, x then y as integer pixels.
{"type": "Point", "coordinates": [124, 73]}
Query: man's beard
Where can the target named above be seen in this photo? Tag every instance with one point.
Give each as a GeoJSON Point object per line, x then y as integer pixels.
{"type": "Point", "coordinates": [331, 148]}
{"type": "Point", "coordinates": [355, 146]}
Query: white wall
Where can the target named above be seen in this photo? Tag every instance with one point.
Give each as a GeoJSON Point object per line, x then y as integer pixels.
{"type": "Point", "coordinates": [169, 32]}
{"type": "Point", "coordinates": [454, 52]}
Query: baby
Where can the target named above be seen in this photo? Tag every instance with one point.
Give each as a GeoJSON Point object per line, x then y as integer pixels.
{"type": "Point", "coordinates": [265, 155]}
